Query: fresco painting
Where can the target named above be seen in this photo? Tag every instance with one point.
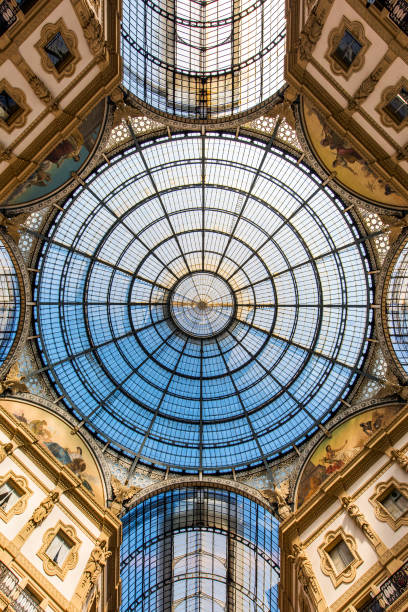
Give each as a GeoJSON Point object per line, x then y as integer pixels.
{"type": "Point", "coordinates": [70, 155]}
{"type": "Point", "coordinates": [56, 435]}
{"type": "Point", "coordinates": [337, 154]}
{"type": "Point", "coordinates": [346, 441]}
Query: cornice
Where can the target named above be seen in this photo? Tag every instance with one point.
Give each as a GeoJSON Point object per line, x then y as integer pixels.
{"type": "Point", "coordinates": [341, 481]}
{"type": "Point", "coordinates": [60, 475]}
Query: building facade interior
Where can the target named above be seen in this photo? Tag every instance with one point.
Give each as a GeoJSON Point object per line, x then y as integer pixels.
{"type": "Point", "coordinates": [204, 305]}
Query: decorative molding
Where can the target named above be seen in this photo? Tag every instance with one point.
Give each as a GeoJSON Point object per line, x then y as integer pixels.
{"type": "Point", "coordinates": [5, 450]}
{"type": "Point", "coordinates": [400, 458]}
{"type": "Point", "coordinates": [358, 517]}
{"type": "Point", "coordinates": [356, 29]}
{"type": "Point", "coordinates": [96, 563]}
{"type": "Point", "coordinates": [349, 572]}
{"type": "Point", "coordinates": [311, 32]}
{"type": "Point", "coordinates": [381, 491]}
{"type": "Point", "coordinates": [36, 84]}
{"type": "Point", "coordinates": [71, 41]}
{"type": "Point", "coordinates": [19, 483]}
{"type": "Point", "coordinates": [37, 518]}
{"type": "Point", "coordinates": [367, 87]}
{"type": "Point", "coordinates": [306, 575]}
{"type": "Point", "coordinates": [387, 95]}
{"type": "Point", "coordinates": [21, 115]}
{"type": "Point", "coordinates": [92, 30]}
{"type": "Point", "coordinates": [50, 567]}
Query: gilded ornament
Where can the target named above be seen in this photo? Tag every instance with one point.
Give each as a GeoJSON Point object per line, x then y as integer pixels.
{"type": "Point", "coordinates": [96, 563]}
{"type": "Point", "coordinates": [304, 567]}
{"type": "Point", "coordinates": [400, 457]}
{"type": "Point", "coordinates": [13, 381]}
{"type": "Point", "coordinates": [279, 495]}
{"type": "Point", "coordinates": [5, 450]}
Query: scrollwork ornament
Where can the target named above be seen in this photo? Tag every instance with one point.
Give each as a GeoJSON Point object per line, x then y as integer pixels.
{"type": "Point", "coordinates": [400, 457]}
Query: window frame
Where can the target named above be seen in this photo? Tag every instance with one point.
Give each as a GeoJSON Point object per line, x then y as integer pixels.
{"type": "Point", "coordinates": [330, 540]}
{"type": "Point", "coordinates": [382, 490]}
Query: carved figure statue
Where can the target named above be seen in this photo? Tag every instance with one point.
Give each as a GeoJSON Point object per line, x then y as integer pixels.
{"type": "Point", "coordinates": [367, 87]}
{"type": "Point", "coordinates": [310, 33]}
{"type": "Point", "coordinates": [5, 450]}
{"type": "Point", "coordinates": [122, 492]}
{"type": "Point", "coordinates": [400, 457]}
{"type": "Point", "coordinates": [279, 495]}
{"type": "Point", "coordinates": [38, 86]}
{"type": "Point", "coordinates": [13, 381]}
{"type": "Point", "coordinates": [304, 567]}
{"type": "Point", "coordinates": [96, 562]}
{"type": "Point", "coordinates": [43, 510]}
{"type": "Point", "coordinates": [354, 512]}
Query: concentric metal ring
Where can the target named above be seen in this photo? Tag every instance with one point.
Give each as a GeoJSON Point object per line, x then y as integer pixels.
{"type": "Point", "coordinates": [202, 305]}
{"type": "Point", "coordinates": [141, 376]}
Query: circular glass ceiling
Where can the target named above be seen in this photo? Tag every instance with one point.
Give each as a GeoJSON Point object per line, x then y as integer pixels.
{"type": "Point", "coordinates": [203, 302]}
{"type": "Point", "coordinates": [10, 300]}
{"type": "Point", "coordinates": [396, 307]}
{"type": "Point", "coordinates": [203, 60]}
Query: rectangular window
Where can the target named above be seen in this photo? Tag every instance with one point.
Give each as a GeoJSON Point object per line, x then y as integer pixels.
{"type": "Point", "coordinates": [9, 109]}
{"type": "Point", "coordinates": [9, 495]}
{"type": "Point", "coordinates": [58, 52]}
{"type": "Point", "coordinates": [341, 556]}
{"type": "Point", "coordinates": [397, 107]}
{"type": "Point", "coordinates": [347, 50]}
{"type": "Point", "coordinates": [395, 503]}
{"type": "Point", "coordinates": [58, 549]}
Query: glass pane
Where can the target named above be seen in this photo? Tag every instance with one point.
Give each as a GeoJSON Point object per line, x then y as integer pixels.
{"type": "Point", "coordinates": [396, 503]}
{"type": "Point", "coordinates": [58, 51]}
{"type": "Point", "coordinates": [59, 549]}
{"type": "Point", "coordinates": [204, 324]}
{"type": "Point", "coordinates": [341, 556]}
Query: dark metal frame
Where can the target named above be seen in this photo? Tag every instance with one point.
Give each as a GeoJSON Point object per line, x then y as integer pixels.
{"type": "Point", "coordinates": [93, 348]}
{"type": "Point", "coordinates": [245, 524]}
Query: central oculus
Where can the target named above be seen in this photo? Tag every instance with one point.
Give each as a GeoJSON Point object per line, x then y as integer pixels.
{"type": "Point", "coordinates": [202, 304]}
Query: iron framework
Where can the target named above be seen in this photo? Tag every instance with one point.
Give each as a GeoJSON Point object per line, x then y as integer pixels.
{"type": "Point", "coordinates": [242, 210]}
{"type": "Point", "coordinates": [203, 60]}
{"type": "Point", "coordinates": [199, 550]}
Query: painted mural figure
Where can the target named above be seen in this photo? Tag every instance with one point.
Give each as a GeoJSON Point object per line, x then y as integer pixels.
{"type": "Point", "coordinates": [332, 458]}
{"type": "Point", "coordinates": [59, 442]}
{"type": "Point", "coordinates": [333, 453]}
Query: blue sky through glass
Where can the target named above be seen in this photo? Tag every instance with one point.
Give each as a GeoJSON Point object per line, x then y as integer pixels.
{"type": "Point", "coordinates": [248, 214]}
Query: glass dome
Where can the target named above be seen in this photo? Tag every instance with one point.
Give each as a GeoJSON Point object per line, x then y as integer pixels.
{"type": "Point", "coordinates": [201, 550]}
{"type": "Point", "coordinates": [397, 307]}
{"type": "Point", "coordinates": [203, 302]}
{"type": "Point", "coordinates": [10, 299]}
{"type": "Point", "coordinates": [203, 59]}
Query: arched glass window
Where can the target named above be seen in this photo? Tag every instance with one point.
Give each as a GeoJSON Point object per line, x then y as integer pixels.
{"type": "Point", "coordinates": [397, 307]}
{"type": "Point", "coordinates": [203, 59]}
{"type": "Point", "coordinates": [203, 302]}
{"type": "Point", "coordinates": [201, 550]}
{"type": "Point", "coordinates": [10, 297]}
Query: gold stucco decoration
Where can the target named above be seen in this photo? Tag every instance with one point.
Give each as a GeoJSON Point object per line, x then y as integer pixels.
{"type": "Point", "coordinates": [20, 485]}
{"type": "Point", "coordinates": [279, 495]}
{"type": "Point", "coordinates": [331, 539]}
{"type": "Point", "coordinates": [49, 31]}
{"type": "Point", "coordinates": [352, 61]}
{"type": "Point", "coordinates": [51, 567]}
{"type": "Point", "coordinates": [96, 563]}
